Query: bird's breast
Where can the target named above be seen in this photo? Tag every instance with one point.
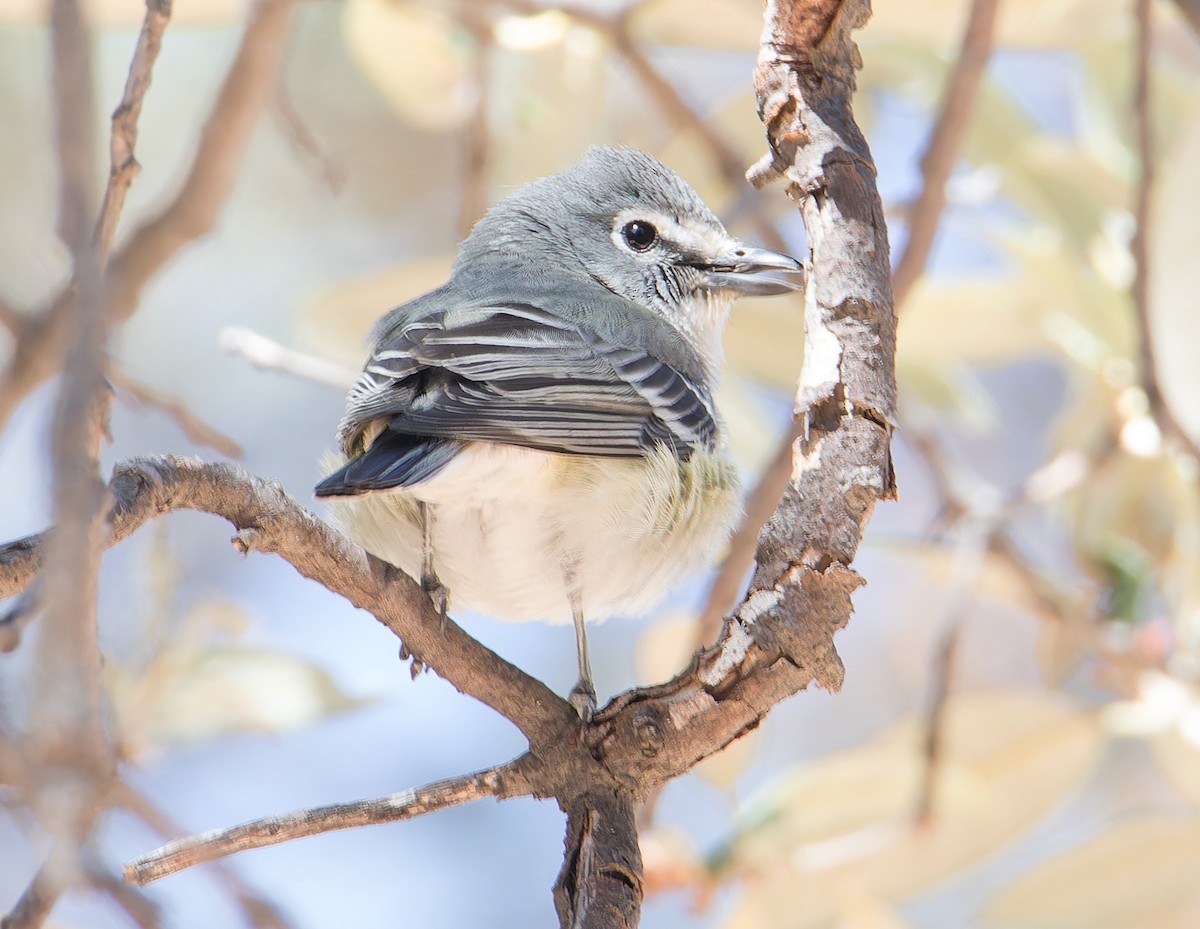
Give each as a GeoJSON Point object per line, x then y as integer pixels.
{"type": "Point", "coordinates": [512, 527]}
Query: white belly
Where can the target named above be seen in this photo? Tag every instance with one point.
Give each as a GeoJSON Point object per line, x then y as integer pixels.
{"type": "Point", "coordinates": [513, 527]}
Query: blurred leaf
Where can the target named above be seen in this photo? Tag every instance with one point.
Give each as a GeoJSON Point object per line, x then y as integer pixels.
{"type": "Point", "coordinates": [336, 324]}
{"type": "Point", "coordinates": [1175, 277]}
{"type": "Point", "coordinates": [732, 25]}
{"type": "Point", "coordinates": [764, 341]}
{"type": "Point", "coordinates": [841, 828]}
{"type": "Point", "coordinates": [1125, 518]}
{"type": "Point", "coordinates": [997, 579]}
{"type": "Point", "coordinates": [1177, 751]}
{"type": "Point", "coordinates": [416, 56]}
{"type": "Point", "coordinates": [669, 861]}
{"type": "Point", "coordinates": [235, 689]}
{"type": "Point", "coordinates": [665, 647]}
{"type": "Point", "coordinates": [983, 320]}
{"type": "Point", "coordinates": [125, 15]}
{"type": "Point", "coordinates": [1137, 871]}
{"type": "Point", "coordinates": [547, 103]}
{"type": "Point", "coordinates": [199, 686]}
{"type": "Point", "coordinates": [949, 390]}
{"type": "Point", "coordinates": [1020, 23]}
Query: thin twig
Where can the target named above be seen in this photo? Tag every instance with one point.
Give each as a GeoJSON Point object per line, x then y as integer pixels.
{"type": "Point", "coordinates": [259, 911]}
{"type": "Point", "coordinates": [499, 782]}
{"type": "Point", "coordinates": [34, 904]}
{"type": "Point", "coordinates": [248, 87]}
{"type": "Point", "coordinates": [11, 319]}
{"type": "Point", "coordinates": [938, 160]}
{"type": "Point", "coordinates": [193, 427]}
{"type": "Point", "coordinates": [973, 545]}
{"type": "Point", "coordinates": [124, 166]}
{"type": "Point", "coordinates": [305, 142]}
{"type": "Point", "coordinates": [141, 910]}
{"type": "Point", "coordinates": [271, 356]}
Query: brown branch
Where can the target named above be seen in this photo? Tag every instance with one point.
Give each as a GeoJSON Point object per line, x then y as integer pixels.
{"type": "Point", "coordinates": [305, 143]}
{"type": "Point", "coordinates": [268, 520]}
{"type": "Point", "coordinates": [501, 782]}
{"type": "Point", "coordinates": [70, 758]}
{"type": "Point", "coordinates": [193, 427]}
{"type": "Point", "coordinates": [938, 160]}
{"type": "Point", "coordinates": [124, 166]}
{"type": "Point", "coordinates": [34, 904]}
{"type": "Point", "coordinates": [1191, 12]}
{"type": "Point", "coordinates": [1139, 247]}
{"type": "Point", "coordinates": [477, 134]}
{"type": "Point", "coordinates": [781, 638]}
{"type": "Point", "coordinates": [600, 884]}
{"type": "Point", "coordinates": [142, 911]}
{"type": "Point", "coordinates": [977, 534]}
{"type": "Point", "coordinates": [11, 319]}
{"type": "Point", "coordinates": [247, 90]}
{"type": "Point", "coordinates": [259, 911]}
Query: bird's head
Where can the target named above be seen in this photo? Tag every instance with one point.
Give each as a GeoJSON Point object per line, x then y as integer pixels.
{"type": "Point", "coordinates": [625, 220]}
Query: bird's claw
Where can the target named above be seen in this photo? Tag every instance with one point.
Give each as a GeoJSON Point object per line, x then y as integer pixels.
{"type": "Point", "coordinates": [583, 698]}
{"type": "Point", "coordinates": [438, 593]}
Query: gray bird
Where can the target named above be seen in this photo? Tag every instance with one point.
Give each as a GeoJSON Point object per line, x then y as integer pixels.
{"type": "Point", "coordinates": [536, 438]}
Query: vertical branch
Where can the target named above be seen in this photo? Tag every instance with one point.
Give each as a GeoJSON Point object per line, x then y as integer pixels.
{"type": "Point", "coordinates": [72, 761]}
{"type": "Point", "coordinates": [938, 160]}
{"type": "Point", "coordinates": [477, 139]}
{"type": "Point", "coordinates": [805, 81]}
{"type": "Point", "coordinates": [600, 885]}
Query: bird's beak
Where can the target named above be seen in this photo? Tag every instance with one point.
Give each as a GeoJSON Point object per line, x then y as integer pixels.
{"type": "Point", "coordinates": [755, 272]}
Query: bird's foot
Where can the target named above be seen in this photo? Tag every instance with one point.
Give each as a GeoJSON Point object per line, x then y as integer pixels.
{"type": "Point", "coordinates": [437, 592]}
{"type": "Point", "coordinates": [583, 698]}
{"type": "Point", "coordinates": [417, 666]}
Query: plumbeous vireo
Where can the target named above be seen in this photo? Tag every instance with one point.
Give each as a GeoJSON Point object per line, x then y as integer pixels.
{"type": "Point", "coordinates": [538, 434]}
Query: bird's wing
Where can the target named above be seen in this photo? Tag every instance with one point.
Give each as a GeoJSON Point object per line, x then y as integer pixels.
{"type": "Point", "coordinates": [521, 375]}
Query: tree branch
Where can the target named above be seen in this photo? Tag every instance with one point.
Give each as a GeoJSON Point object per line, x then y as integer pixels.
{"type": "Point", "coordinates": [71, 761]}
{"type": "Point", "coordinates": [944, 143]}
{"type": "Point", "coordinates": [600, 885]}
{"type": "Point", "coordinates": [193, 427]}
{"type": "Point", "coordinates": [500, 782]}
{"type": "Point", "coordinates": [124, 167]}
{"type": "Point", "coordinates": [781, 638]}
{"type": "Point", "coordinates": [248, 88]}
{"type": "Point", "coordinates": [268, 520]}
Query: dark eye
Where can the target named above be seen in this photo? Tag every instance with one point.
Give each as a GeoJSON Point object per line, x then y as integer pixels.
{"type": "Point", "coordinates": [639, 234]}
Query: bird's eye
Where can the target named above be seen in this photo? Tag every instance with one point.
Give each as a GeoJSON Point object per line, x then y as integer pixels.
{"type": "Point", "coordinates": [639, 234]}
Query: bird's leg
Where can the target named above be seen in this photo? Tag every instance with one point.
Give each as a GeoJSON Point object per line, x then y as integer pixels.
{"type": "Point", "coordinates": [429, 580]}
{"type": "Point", "coordinates": [583, 694]}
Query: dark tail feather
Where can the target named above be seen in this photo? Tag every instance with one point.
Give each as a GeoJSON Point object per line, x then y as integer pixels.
{"type": "Point", "coordinates": [393, 460]}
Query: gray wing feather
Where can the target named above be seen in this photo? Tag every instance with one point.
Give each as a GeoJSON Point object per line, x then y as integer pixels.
{"type": "Point", "coordinates": [519, 374]}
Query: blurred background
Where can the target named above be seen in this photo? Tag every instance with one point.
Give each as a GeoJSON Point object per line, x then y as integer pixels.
{"type": "Point", "coordinates": [1033, 599]}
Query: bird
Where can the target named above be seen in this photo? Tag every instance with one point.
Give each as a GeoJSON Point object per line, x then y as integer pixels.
{"type": "Point", "coordinates": [537, 438]}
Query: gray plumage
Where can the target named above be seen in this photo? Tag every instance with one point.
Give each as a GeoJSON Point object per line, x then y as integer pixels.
{"type": "Point", "coordinates": [581, 324]}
